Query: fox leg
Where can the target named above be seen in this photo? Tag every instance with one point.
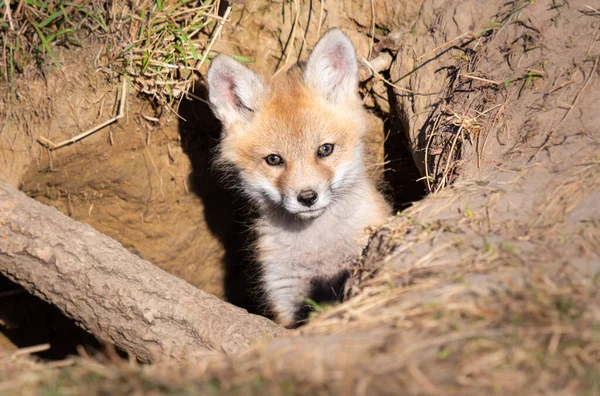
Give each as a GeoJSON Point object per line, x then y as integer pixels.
{"type": "Point", "coordinates": [285, 298]}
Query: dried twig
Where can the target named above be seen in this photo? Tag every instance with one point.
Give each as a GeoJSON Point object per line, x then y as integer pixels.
{"type": "Point", "coordinates": [427, 176]}
{"type": "Point", "coordinates": [391, 84]}
{"type": "Point", "coordinates": [382, 62]}
{"type": "Point", "coordinates": [53, 146]}
{"type": "Point", "coordinates": [480, 79]}
{"type": "Point", "coordinates": [450, 155]}
{"type": "Point", "coordinates": [61, 363]}
{"type": "Point", "coordinates": [560, 86]}
{"type": "Point", "coordinates": [288, 49]}
{"type": "Point", "coordinates": [590, 11]}
{"type": "Point", "coordinates": [320, 20]}
{"type": "Point", "coordinates": [30, 350]}
{"type": "Point", "coordinates": [443, 45]}
{"type": "Point", "coordinates": [214, 38]}
{"type": "Point", "coordinates": [8, 15]}
{"type": "Point", "coordinates": [372, 30]}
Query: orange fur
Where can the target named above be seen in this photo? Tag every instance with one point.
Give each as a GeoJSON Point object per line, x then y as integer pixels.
{"type": "Point", "coordinates": [293, 124]}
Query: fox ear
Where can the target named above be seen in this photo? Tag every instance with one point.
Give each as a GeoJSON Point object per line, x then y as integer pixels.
{"type": "Point", "coordinates": [234, 91]}
{"type": "Point", "coordinates": [331, 68]}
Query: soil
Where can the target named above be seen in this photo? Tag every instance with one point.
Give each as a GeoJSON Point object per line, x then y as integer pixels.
{"type": "Point", "coordinates": [130, 180]}
{"type": "Point", "coordinates": [489, 284]}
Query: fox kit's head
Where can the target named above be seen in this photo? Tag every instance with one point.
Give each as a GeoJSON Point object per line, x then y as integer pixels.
{"type": "Point", "coordinates": [297, 140]}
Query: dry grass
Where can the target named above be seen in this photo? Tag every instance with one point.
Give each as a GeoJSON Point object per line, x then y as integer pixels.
{"type": "Point", "coordinates": [538, 333]}
{"type": "Point", "coordinates": [449, 130]}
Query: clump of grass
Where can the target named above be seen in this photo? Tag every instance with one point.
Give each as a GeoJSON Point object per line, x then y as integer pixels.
{"type": "Point", "coordinates": [166, 44]}
{"type": "Point", "coordinates": [158, 44]}
{"type": "Point", "coordinates": [31, 29]}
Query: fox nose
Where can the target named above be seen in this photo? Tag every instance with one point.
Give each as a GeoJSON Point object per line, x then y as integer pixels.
{"type": "Point", "coordinates": [307, 197]}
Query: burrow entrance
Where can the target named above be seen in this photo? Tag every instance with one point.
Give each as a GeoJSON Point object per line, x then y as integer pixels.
{"type": "Point", "coordinates": [27, 321]}
{"type": "Point", "coordinates": [150, 186]}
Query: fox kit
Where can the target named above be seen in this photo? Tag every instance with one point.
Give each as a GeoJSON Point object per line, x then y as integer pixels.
{"type": "Point", "coordinates": [297, 145]}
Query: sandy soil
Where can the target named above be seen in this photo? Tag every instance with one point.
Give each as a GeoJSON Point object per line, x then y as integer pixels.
{"type": "Point", "coordinates": [489, 284]}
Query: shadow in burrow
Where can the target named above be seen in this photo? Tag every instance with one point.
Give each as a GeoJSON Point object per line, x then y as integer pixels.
{"type": "Point", "coordinates": [227, 213]}
{"type": "Point", "coordinates": [402, 179]}
{"type": "Point", "coordinates": [27, 321]}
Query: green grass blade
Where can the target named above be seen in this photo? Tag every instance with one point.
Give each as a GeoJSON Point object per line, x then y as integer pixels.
{"type": "Point", "coordinates": [313, 304]}
{"type": "Point", "coordinates": [100, 20]}
{"type": "Point", "coordinates": [143, 24]}
{"type": "Point", "coordinates": [184, 39]}
{"type": "Point", "coordinates": [35, 4]}
{"type": "Point", "coordinates": [51, 18]}
{"type": "Point", "coordinates": [242, 59]}
{"type": "Point", "coordinates": [183, 54]}
{"type": "Point", "coordinates": [145, 61]}
{"type": "Point", "coordinates": [96, 18]}
{"type": "Point", "coordinates": [57, 35]}
{"type": "Point", "coordinates": [46, 45]}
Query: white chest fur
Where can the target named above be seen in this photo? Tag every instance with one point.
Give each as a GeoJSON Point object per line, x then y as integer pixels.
{"type": "Point", "coordinates": [294, 252]}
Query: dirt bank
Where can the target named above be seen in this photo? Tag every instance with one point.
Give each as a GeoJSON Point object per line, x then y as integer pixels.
{"type": "Point", "coordinates": [489, 284]}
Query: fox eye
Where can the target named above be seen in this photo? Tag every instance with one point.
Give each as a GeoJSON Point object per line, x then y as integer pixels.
{"type": "Point", "coordinates": [274, 159]}
{"type": "Point", "coordinates": [325, 150]}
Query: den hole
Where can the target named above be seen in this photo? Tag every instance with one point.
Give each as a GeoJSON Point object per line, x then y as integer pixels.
{"type": "Point", "coordinates": [403, 183]}
{"type": "Point", "coordinates": [226, 211]}
{"type": "Point", "coordinates": [26, 320]}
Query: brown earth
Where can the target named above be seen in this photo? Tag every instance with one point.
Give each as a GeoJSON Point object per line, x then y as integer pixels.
{"type": "Point", "coordinates": [490, 284]}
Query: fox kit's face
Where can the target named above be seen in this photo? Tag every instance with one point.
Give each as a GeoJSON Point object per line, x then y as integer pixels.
{"type": "Point", "coordinates": [297, 151]}
{"type": "Point", "coordinates": [296, 142]}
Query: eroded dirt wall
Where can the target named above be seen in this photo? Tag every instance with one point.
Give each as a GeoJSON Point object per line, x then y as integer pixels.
{"type": "Point", "coordinates": [130, 180]}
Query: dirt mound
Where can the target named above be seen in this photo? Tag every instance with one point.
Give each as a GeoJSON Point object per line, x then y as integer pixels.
{"type": "Point", "coordinates": [490, 284]}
